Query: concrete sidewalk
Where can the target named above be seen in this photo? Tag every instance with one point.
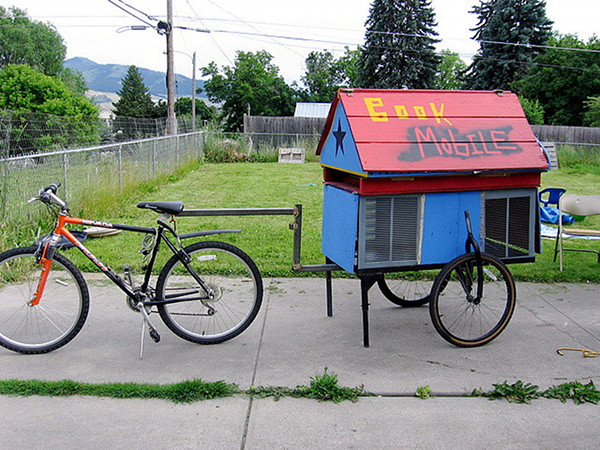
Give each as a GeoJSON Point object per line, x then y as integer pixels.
{"type": "Point", "coordinates": [293, 340]}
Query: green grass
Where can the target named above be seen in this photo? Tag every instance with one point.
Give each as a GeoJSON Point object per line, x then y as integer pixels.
{"type": "Point", "coordinates": [323, 387]}
{"type": "Point", "coordinates": [268, 239]}
{"type": "Point", "coordinates": [578, 267]}
{"type": "Point", "coordinates": [184, 392]}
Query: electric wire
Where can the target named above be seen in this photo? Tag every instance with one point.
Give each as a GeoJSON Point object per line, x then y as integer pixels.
{"type": "Point", "coordinates": [214, 41]}
{"type": "Point", "coordinates": [135, 9]}
{"type": "Point", "coordinates": [112, 2]}
{"type": "Point", "coordinates": [276, 37]}
{"type": "Point", "coordinates": [251, 26]}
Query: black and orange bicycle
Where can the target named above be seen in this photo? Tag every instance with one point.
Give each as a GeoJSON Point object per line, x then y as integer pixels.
{"type": "Point", "coordinates": [207, 292]}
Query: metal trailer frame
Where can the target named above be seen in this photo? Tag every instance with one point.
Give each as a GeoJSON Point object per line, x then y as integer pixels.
{"type": "Point", "coordinates": [367, 277]}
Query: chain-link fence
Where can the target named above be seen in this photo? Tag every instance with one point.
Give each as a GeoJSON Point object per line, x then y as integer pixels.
{"type": "Point", "coordinates": [90, 172]}
{"type": "Point", "coordinates": [26, 133]}
{"type": "Point", "coordinates": [263, 147]}
{"type": "Point", "coordinates": [96, 159]}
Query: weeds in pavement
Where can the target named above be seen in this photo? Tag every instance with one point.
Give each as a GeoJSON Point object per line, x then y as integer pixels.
{"type": "Point", "coordinates": [520, 392]}
{"type": "Point", "coordinates": [423, 392]}
{"type": "Point", "coordinates": [322, 387]}
{"type": "Point", "coordinates": [579, 393]}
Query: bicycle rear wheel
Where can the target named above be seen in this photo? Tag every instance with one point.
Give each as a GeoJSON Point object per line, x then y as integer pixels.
{"type": "Point", "coordinates": [403, 291]}
{"type": "Point", "coordinates": [236, 286]}
{"type": "Point", "coordinates": [457, 313]}
{"type": "Point", "coordinates": [58, 317]}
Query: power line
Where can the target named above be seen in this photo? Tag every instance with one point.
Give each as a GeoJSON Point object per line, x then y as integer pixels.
{"type": "Point", "coordinates": [519, 44]}
{"type": "Point", "coordinates": [211, 36]}
{"type": "Point", "coordinates": [483, 41]}
{"type": "Point", "coordinates": [251, 26]}
{"type": "Point", "coordinates": [135, 9]}
{"type": "Point", "coordinates": [112, 2]}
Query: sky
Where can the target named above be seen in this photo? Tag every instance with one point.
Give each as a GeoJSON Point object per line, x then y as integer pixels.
{"type": "Point", "coordinates": [288, 30]}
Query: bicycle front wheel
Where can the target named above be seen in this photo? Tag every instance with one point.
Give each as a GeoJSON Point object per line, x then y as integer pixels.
{"type": "Point", "coordinates": [459, 314]}
{"type": "Point", "coordinates": [58, 317]}
{"type": "Point", "coordinates": [234, 296]}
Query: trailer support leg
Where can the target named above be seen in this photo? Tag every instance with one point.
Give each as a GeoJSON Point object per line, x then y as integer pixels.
{"type": "Point", "coordinates": [366, 283]}
{"type": "Point", "coordinates": [329, 295]}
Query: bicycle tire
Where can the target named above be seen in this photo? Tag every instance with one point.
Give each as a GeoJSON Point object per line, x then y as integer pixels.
{"type": "Point", "coordinates": [404, 292]}
{"type": "Point", "coordinates": [237, 286]}
{"type": "Point", "coordinates": [455, 312]}
{"type": "Point", "coordinates": [58, 317]}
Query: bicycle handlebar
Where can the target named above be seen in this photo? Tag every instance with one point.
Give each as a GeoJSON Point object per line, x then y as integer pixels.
{"type": "Point", "coordinates": [48, 195]}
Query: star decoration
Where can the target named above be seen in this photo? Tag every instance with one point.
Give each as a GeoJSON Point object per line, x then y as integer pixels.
{"type": "Point", "coordinates": [339, 139]}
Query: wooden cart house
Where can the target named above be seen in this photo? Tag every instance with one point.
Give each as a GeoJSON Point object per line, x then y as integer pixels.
{"type": "Point", "coordinates": [401, 167]}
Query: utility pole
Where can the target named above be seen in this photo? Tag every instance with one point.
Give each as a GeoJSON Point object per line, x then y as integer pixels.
{"type": "Point", "coordinates": [170, 72]}
{"type": "Point", "coordinates": [194, 92]}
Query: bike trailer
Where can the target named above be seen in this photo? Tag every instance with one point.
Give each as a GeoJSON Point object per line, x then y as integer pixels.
{"type": "Point", "coordinates": [401, 167]}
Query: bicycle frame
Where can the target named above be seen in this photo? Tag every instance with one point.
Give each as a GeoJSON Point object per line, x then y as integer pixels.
{"type": "Point", "coordinates": [49, 248]}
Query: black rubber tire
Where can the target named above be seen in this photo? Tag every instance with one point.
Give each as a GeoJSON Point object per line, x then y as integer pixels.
{"type": "Point", "coordinates": [457, 316]}
{"type": "Point", "coordinates": [404, 292]}
{"type": "Point", "coordinates": [61, 313]}
{"type": "Point", "coordinates": [235, 280]}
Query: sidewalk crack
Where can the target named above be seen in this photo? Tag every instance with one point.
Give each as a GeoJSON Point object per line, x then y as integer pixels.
{"type": "Point", "coordinates": [265, 307]}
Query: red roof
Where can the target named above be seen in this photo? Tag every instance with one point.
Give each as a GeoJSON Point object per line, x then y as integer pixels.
{"type": "Point", "coordinates": [428, 131]}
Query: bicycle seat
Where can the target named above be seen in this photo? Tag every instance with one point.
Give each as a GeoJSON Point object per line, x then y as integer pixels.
{"type": "Point", "coordinates": [163, 207]}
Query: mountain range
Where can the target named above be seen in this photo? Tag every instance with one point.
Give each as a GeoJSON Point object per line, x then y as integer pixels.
{"type": "Point", "coordinates": [106, 78]}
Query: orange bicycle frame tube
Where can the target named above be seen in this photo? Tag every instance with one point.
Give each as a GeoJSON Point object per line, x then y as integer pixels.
{"type": "Point", "coordinates": [46, 259]}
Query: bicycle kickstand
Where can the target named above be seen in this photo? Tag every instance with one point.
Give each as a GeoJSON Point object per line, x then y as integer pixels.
{"type": "Point", "coordinates": [146, 321]}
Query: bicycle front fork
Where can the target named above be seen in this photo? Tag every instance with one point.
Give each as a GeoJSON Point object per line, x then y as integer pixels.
{"type": "Point", "coordinates": [45, 260]}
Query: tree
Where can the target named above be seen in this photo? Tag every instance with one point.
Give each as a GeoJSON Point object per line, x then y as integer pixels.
{"type": "Point", "coordinates": [73, 80]}
{"type": "Point", "coordinates": [24, 41]}
{"type": "Point", "coordinates": [592, 115]}
{"type": "Point", "coordinates": [533, 110]}
{"type": "Point", "coordinates": [325, 75]}
{"type": "Point", "coordinates": [183, 107]}
{"type": "Point", "coordinates": [321, 79]}
{"type": "Point", "coordinates": [450, 72]}
{"type": "Point", "coordinates": [134, 98]}
{"type": "Point", "coordinates": [563, 78]}
{"type": "Point", "coordinates": [24, 89]}
{"type": "Point", "coordinates": [67, 119]}
{"type": "Point", "coordinates": [253, 85]}
{"type": "Point", "coordinates": [348, 65]}
{"type": "Point", "coordinates": [510, 33]}
{"type": "Point", "coordinates": [399, 46]}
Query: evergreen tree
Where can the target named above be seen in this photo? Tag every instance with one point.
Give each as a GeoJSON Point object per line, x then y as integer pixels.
{"type": "Point", "coordinates": [135, 100]}
{"type": "Point", "coordinates": [506, 29]}
{"type": "Point", "coordinates": [399, 46]}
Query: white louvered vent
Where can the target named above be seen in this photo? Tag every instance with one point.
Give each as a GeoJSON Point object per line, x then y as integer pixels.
{"type": "Point", "coordinates": [389, 231]}
{"type": "Point", "coordinates": [509, 216]}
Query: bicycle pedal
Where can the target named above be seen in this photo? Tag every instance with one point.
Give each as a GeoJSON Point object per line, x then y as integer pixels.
{"type": "Point", "coordinates": [154, 334]}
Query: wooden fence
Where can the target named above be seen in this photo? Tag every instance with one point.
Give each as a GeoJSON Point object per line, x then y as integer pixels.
{"type": "Point", "coordinates": [312, 125]}
{"type": "Point", "coordinates": [283, 125]}
{"type": "Point", "coordinates": [567, 135]}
